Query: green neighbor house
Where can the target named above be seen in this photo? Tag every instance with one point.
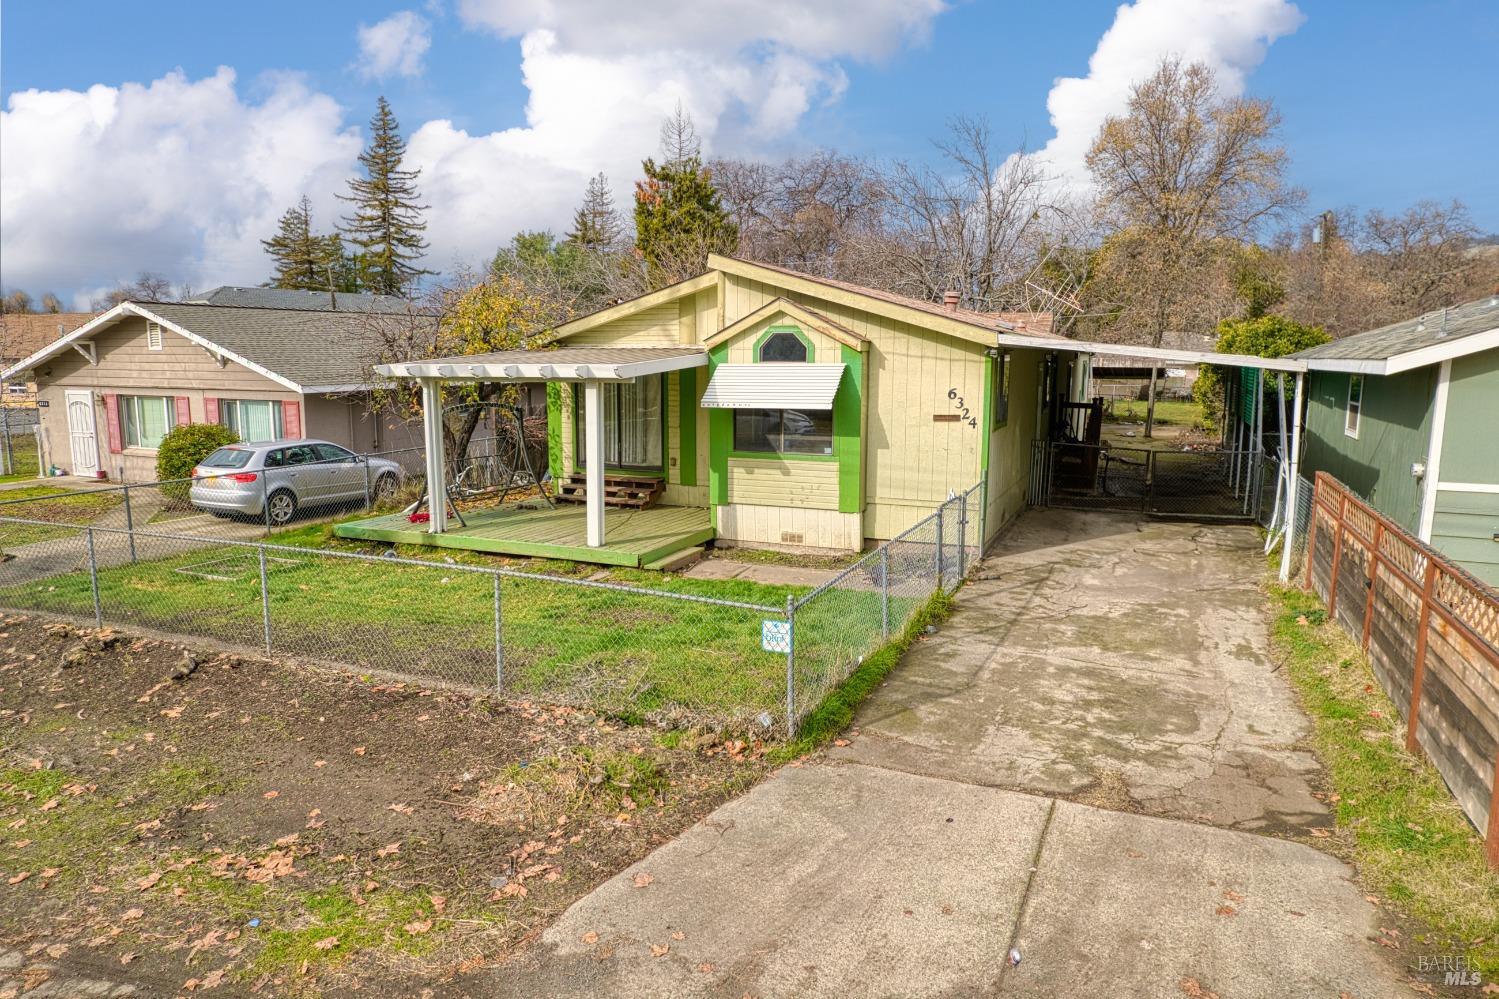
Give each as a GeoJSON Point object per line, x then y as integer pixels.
{"type": "Point", "coordinates": [1408, 417]}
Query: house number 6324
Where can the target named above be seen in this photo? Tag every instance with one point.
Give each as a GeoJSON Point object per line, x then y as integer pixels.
{"type": "Point", "coordinates": [962, 408]}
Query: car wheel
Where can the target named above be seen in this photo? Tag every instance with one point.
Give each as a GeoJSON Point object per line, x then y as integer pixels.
{"type": "Point", "coordinates": [283, 506]}
{"type": "Point", "coordinates": [385, 487]}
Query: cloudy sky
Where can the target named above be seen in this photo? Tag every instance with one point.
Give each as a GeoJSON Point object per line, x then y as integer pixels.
{"type": "Point", "coordinates": [174, 133]}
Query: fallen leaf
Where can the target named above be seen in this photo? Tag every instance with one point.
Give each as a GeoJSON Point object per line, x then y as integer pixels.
{"type": "Point", "coordinates": [1193, 990]}
{"type": "Point", "coordinates": [1321, 833]}
{"type": "Point", "coordinates": [840, 742]}
{"type": "Point", "coordinates": [148, 882]}
{"type": "Point", "coordinates": [438, 903]}
{"type": "Point", "coordinates": [17, 879]}
{"type": "Point", "coordinates": [327, 943]}
{"type": "Point", "coordinates": [388, 849]}
{"type": "Point", "coordinates": [707, 967]}
{"type": "Point", "coordinates": [679, 935]}
{"type": "Point", "coordinates": [659, 950]}
{"type": "Point", "coordinates": [1232, 895]}
{"type": "Point", "coordinates": [128, 956]}
{"type": "Point", "coordinates": [642, 879]}
{"type": "Point", "coordinates": [401, 807]}
{"type": "Point", "coordinates": [57, 950]}
{"type": "Point", "coordinates": [50, 804]}
{"type": "Point", "coordinates": [590, 937]}
{"type": "Point", "coordinates": [358, 750]}
{"type": "Point", "coordinates": [1226, 910]}
{"type": "Point", "coordinates": [130, 914]}
{"type": "Point", "coordinates": [418, 926]}
{"type": "Point", "coordinates": [271, 794]}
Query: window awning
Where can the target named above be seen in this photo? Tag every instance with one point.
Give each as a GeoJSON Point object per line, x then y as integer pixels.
{"type": "Point", "coordinates": [773, 386]}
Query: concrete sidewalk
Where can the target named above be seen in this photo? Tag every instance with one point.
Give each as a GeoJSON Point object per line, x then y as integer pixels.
{"type": "Point", "coordinates": [847, 880]}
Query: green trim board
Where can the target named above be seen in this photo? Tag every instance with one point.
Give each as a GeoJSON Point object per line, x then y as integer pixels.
{"type": "Point", "coordinates": [984, 439]}
{"type": "Point", "coordinates": [687, 426]}
{"type": "Point", "coordinates": [554, 430]}
{"type": "Point", "coordinates": [795, 331]}
{"type": "Point", "coordinates": [720, 437]}
{"type": "Point", "coordinates": [632, 537]}
{"type": "Point", "coordinates": [848, 437]}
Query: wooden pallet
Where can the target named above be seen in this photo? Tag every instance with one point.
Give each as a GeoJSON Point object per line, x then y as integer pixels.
{"type": "Point", "coordinates": [636, 492]}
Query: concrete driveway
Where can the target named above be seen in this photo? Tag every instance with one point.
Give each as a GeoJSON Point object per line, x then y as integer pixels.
{"type": "Point", "coordinates": [993, 795]}
{"type": "Point", "coordinates": [1113, 661]}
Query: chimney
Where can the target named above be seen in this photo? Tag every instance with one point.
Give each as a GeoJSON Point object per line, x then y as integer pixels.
{"type": "Point", "coordinates": [950, 300]}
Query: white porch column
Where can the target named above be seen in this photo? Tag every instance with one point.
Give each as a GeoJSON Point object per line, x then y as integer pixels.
{"type": "Point", "coordinates": [593, 456]}
{"type": "Point", "coordinates": [437, 486]}
{"type": "Point", "coordinates": [1293, 463]}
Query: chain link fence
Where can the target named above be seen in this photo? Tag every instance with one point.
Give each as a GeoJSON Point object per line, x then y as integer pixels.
{"type": "Point", "coordinates": [668, 652]}
{"type": "Point", "coordinates": [1271, 512]}
{"type": "Point", "coordinates": [836, 626]}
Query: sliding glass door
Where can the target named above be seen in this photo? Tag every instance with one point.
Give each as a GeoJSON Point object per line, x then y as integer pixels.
{"type": "Point", "coordinates": [632, 424]}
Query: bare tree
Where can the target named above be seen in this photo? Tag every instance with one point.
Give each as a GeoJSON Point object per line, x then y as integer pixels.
{"type": "Point", "coordinates": [147, 287]}
{"type": "Point", "coordinates": [1183, 174]}
{"type": "Point", "coordinates": [679, 140]}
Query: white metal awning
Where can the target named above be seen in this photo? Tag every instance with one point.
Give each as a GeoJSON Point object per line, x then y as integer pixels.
{"type": "Point", "coordinates": [773, 386]}
{"type": "Point", "coordinates": [566, 364]}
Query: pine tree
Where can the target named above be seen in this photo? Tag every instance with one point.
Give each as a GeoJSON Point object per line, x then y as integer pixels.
{"type": "Point", "coordinates": [596, 223]}
{"type": "Point", "coordinates": [303, 259]}
{"type": "Point", "coordinates": [679, 220]}
{"type": "Point", "coordinates": [386, 227]}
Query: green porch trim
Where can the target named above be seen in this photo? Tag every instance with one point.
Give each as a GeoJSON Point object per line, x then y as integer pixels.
{"type": "Point", "coordinates": [720, 439]}
{"type": "Point", "coordinates": [796, 331]}
{"type": "Point", "coordinates": [554, 430]}
{"type": "Point", "coordinates": [848, 408]}
{"type": "Point", "coordinates": [687, 426]}
{"type": "Point", "coordinates": [988, 408]}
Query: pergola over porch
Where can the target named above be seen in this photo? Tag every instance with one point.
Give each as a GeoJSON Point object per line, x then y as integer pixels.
{"type": "Point", "coordinates": [594, 367]}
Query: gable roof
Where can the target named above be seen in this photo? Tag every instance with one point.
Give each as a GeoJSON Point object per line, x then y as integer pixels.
{"type": "Point", "coordinates": [296, 298]}
{"type": "Point", "coordinates": [966, 324]}
{"type": "Point", "coordinates": [305, 350]}
{"type": "Point", "coordinates": [807, 317]}
{"type": "Point", "coordinates": [24, 333]}
{"type": "Point", "coordinates": [1412, 343]}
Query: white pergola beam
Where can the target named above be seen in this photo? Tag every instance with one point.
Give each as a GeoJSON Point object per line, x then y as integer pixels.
{"type": "Point", "coordinates": [1293, 462]}
{"type": "Point", "coordinates": [593, 451]}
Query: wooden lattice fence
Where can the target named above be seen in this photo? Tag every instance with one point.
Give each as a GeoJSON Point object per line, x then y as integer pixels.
{"type": "Point", "coordinates": [1432, 635]}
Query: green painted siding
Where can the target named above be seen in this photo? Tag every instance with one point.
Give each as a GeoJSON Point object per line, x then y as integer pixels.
{"type": "Point", "coordinates": [848, 437]}
{"type": "Point", "coordinates": [554, 430]}
{"type": "Point", "coordinates": [1394, 432]}
{"type": "Point", "coordinates": [1466, 523]}
{"type": "Point", "coordinates": [720, 438]}
{"type": "Point", "coordinates": [687, 396]}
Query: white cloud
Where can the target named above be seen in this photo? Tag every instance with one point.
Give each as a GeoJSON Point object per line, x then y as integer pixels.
{"type": "Point", "coordinates": [1231, 36]}
{"type": "Point", "coordinates": [397, 44]}
{"type": "Point", "coordinates": [186, 177]}
{"type": "Point", "coordinates": [177, 176]}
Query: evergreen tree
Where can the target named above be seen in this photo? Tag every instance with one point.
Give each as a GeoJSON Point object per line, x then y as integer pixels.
{"type": "Point", "coordinates": [386, 227]}
{"type": "Point", "coordinates": [679, 219]}
{"type": "Point", "coordinates": [596, 223]}
{"type": "Point", "coordinates": [304, 259]}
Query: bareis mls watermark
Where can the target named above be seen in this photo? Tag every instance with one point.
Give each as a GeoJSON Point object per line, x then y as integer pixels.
{"type": "Point", "coordinates": [1449, 969]}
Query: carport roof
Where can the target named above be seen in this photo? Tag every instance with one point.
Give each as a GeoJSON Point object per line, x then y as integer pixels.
{"type": "Point", "coordinates": [565, 364]}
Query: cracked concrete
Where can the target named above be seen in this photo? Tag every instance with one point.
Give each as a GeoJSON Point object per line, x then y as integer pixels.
{"type": "Point", "coordinates": [1096, 648]}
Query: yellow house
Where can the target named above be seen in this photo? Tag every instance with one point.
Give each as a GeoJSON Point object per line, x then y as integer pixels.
{"type": "Point", "coordinates": [825, 414]}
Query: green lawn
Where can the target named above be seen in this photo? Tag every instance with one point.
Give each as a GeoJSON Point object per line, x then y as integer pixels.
{"type": "Point", "coordinates": [1168, 412]}
{"type": "Point", "coordinates": [23, 455]}
{"type": "Point", "coordinates": [1395, 817]}
{"type": "Point", "coordinates": [675, 661]}
{"type": "Point", "coordinates": [52, 503]}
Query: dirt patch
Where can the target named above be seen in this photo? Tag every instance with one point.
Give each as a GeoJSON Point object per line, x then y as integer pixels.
{"type": "Point", "coordinates": [179, 819]}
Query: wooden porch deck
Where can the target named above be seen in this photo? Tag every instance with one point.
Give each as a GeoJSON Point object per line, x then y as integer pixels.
{"type": "Point", "coordinates": [631, 537]}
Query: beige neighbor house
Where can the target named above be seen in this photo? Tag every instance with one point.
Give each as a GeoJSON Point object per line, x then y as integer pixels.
{"type": "Point", "coordinates": [109, 390]}
{"type": "Point", "coordinates": [23, 334]}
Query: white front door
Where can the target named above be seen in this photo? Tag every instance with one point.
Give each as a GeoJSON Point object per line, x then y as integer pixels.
{"type": "Point", "coordinates": [82, 440]}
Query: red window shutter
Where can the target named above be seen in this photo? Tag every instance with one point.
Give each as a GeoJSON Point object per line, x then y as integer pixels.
{"type": "Point", "coordinates": [184, 411]}
{"type": "Point", "coordinates": [112, 423]}
{"type": "Point", "coordinates": [291, 419]}
{"type": "Point", "coordinates": [210, 409]}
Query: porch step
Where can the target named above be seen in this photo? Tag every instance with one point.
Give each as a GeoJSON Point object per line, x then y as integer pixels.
{"type": "Point", "coordinates": [637, 492]}
{"type": "Point", "coordinates": [676, 560]}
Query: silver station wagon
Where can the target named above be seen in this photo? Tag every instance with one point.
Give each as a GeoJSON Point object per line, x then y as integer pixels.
{"type": "Point", "coordinates": [275, 479]}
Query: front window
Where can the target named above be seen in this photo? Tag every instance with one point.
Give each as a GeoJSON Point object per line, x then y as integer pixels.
{"type": "Point", "coordinates": [145, 419]}
{"type": "Point", "coordinates": [252, 419]}
{"type": "Point", "coordinates": [227, 457]}
{"type": "Point", "coordinates": [784, 431]}
{"type": "Point", "coordinates": [1002, 389]}
{"type": "Point", "coordinates": [632, 424]}
{"type": "Point", "coordinates": [1355, 405]}
{"type": "Point", "coordinates": [782, 347]}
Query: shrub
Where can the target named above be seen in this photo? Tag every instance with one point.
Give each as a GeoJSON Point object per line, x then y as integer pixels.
{"type": "Point", "coordinates": [1262, 336]}
{"type": "Point", "coordinates": [183, 448]}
